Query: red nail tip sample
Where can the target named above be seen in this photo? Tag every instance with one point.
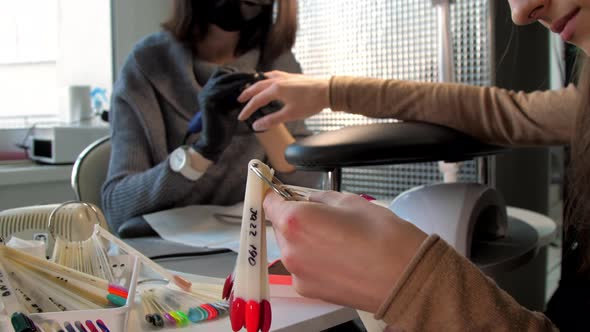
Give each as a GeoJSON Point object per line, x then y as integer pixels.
{"type": "Point", "coordinates": [210, 310]}
{"type": "Point", "coordinates": [237, 314]}
{"type": "Point", "coordinates": [252, 316]}
{"type": "Point", "coordinates": [265, 316]}
{"type": "Point", "coordinates": [227, 287]}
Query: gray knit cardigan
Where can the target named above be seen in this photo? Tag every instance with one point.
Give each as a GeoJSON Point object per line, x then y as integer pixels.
{"type": "Point", "coordinates": [152, 103]}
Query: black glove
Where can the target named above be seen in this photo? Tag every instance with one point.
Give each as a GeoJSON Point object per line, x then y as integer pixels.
{"type": "Point", "coordinates": [220, 108]}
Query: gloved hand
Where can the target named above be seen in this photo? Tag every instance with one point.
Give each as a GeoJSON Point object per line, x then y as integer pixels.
{"type": "Point", "coordinates": [219, 109]}
{"type": "Point", "coordinates": [265, 110]}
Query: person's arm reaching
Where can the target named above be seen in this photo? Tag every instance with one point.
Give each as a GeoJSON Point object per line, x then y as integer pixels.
{"type": "Point", "coordinates": [301, 96]}
{"type": "Point", "coordinates": [490, 114]}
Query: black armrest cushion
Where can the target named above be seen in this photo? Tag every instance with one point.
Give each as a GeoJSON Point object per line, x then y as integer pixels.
{"type": "Point", "coordinates": [385, 143]}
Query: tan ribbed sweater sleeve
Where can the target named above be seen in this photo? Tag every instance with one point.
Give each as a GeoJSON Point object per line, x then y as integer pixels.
{"type": "Point", "coordinates": [442, 291]}
{"type": "Point", "coordinates": [490, 114]}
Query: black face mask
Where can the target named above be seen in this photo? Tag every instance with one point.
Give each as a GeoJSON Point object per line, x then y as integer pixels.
{"type": "Point", "coordinates": [234, 15]}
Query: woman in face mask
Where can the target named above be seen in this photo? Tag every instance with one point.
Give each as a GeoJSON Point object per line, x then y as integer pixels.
{"type": "Point", "coordinates": [172, 145]}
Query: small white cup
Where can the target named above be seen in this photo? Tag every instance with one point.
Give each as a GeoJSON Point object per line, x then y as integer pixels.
{"type": "Point", "coordinates": [79, 104]}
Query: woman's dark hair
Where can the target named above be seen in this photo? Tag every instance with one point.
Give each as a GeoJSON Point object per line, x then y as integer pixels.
{"type": "Point", "coordinates": [577, 208]}
{"type": "Point", "coordinates": [188, 24]}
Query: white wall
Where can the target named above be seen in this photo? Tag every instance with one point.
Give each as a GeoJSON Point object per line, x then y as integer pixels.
{"type": "Point", "coordinates": [133, 19]}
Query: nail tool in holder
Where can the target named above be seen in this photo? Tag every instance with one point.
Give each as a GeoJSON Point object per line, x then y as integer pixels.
{"type": "Point", "coordinates": [62, 298]}
{"type": "Point", "coordinates": [247, 288]}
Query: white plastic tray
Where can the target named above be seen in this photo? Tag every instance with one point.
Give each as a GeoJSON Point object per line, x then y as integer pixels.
{"type": "Point", "coordinates": [114, 319]}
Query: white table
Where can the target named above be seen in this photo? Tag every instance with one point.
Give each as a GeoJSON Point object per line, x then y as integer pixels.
{"type": "Point", "coordinates": [292, 313]}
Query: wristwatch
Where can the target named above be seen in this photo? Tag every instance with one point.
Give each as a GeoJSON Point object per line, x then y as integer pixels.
{"type": "Point", "coordinates": [180, 161]}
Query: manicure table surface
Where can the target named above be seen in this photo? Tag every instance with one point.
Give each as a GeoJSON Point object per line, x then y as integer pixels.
{"type": "Point", "coordinates": [289, 311]}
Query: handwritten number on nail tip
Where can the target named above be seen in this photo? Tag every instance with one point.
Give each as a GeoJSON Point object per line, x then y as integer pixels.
{"type": "Point", "coordinates": [253, 253]}
{"type": "Point", "coordinates": [253, 217]}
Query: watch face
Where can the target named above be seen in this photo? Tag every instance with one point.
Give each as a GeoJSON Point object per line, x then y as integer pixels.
{"type": "Point", "coordinates": [177, 159]}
